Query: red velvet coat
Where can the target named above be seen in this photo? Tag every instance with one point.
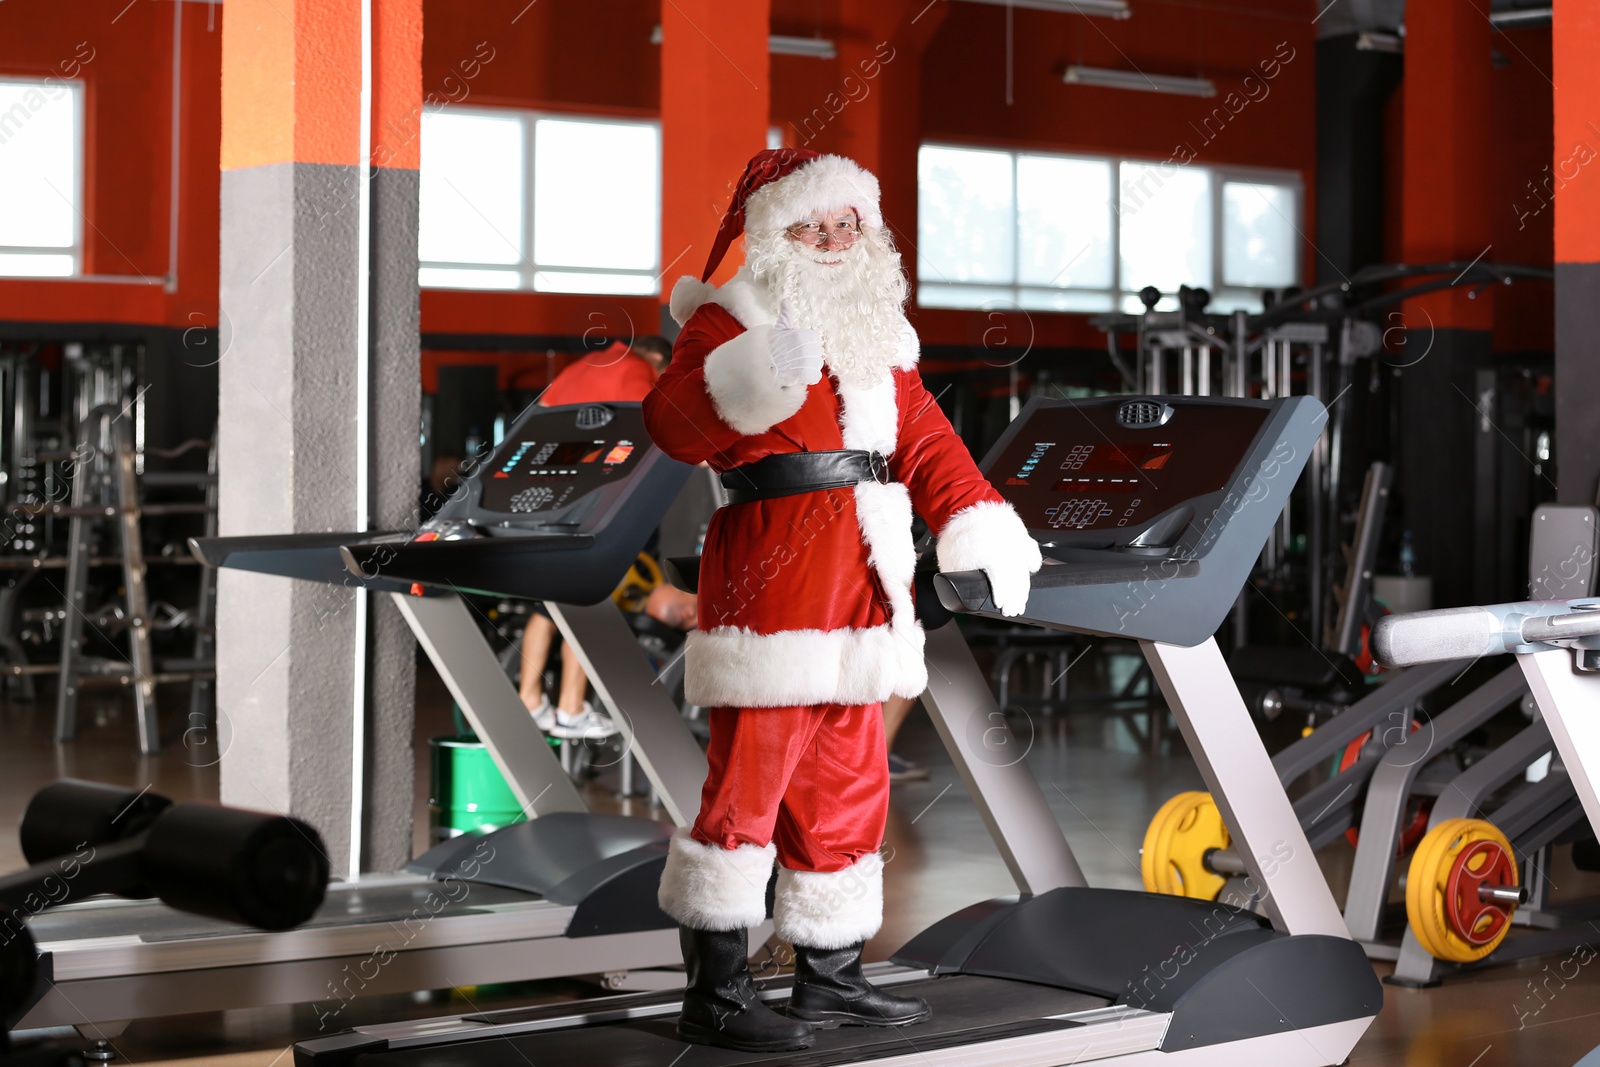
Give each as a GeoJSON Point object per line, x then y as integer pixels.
{"type": "Point", "coordinates": [806, 599]}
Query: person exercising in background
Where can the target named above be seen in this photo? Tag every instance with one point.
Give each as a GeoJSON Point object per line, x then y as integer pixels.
{"type": "Point", "coordinates": [620, 372]}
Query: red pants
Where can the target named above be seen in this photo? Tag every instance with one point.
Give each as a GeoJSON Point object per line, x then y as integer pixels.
{"type": "Point", "coordinates": [814, 780]}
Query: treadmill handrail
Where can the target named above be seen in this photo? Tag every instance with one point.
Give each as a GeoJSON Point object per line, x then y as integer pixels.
{"type": "Point", "coordinates": [969, 590]}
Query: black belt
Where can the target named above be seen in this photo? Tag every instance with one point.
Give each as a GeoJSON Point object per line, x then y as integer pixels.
{"type": "Point", "coordinates": [786, 474]}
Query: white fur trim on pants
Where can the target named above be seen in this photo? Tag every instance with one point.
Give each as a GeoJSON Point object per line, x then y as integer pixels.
{"type": "Point", "coordinates": [707, 887]}
{"type": "Point", "coordinates": [744, 387]}
{"type": "Point", "coordinates": [830, 911]}
{"type": "Point", "coordinates": [731, 667]}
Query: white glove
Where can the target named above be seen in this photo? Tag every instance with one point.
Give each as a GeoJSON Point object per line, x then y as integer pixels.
{"type": "Point", "coordinates": [991, 538]}
{"type": "Point", "coordinates": [796, 353]}
{"type": "Point", "coordinates": [1008, 577]}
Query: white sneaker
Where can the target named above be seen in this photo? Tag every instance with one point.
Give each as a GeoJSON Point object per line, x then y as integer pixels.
{"type": "Point", "coordinates": [590, 725]}
{"type": "Point", "coordinates": [544, 716]}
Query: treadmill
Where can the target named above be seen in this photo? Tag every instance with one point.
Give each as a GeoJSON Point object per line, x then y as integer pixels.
{"type": "Point", "coordinates": [558, 512]}
{"type": "Point", "coordinates": [1151, 512]}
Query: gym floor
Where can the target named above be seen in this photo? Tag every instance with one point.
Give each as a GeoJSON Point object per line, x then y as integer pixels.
{"type": "Point", "coordinates": [1103, 790]}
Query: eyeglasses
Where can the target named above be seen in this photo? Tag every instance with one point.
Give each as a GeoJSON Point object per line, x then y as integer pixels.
{"type": "Point", "coordinates": [844, 233]}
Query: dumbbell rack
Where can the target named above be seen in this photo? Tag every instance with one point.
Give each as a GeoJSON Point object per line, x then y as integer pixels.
{"type": "Point", "coordinates": [107, 489]}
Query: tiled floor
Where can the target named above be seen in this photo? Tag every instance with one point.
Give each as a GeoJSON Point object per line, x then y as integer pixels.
{"type": "Point", "coordinates": [942, 859]}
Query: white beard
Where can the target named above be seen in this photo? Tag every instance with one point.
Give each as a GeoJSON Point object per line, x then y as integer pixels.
{"type": "Point", "coordinates": [853, 297]}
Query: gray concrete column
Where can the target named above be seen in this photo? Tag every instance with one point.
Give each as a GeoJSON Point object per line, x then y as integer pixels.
{"type": "Point", "coordinates": [289, 653]}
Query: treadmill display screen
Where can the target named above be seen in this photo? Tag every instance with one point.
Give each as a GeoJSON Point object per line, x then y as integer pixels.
{"type": "Point", "coordinates": [549, 463]}
{"type": "Point", "coordinates": [1073, 467]}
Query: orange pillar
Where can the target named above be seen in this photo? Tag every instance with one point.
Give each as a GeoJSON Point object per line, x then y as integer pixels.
{"type": "Point", "coordinates": [1575, 35]}
{"type": "Point", "coordinates": [715, 98]}
{"type": "Point", "coordinates": [1445, 212]}
{"type": "Point", "coordinates": [318, 293]}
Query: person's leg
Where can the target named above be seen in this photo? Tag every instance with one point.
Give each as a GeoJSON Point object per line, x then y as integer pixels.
{"type": "Point", "coordinates": [715, 881]}
{"type": "Point", "coordinates": [830, 875]}
{"type": "Point", "coordinates": [536, 638]}
{"type": "Point", "coordinates": [574, 684]}
{"type": "Point", "coordinates": [895, 710]}
{"type": "Point", "coordinates": [574, 719]}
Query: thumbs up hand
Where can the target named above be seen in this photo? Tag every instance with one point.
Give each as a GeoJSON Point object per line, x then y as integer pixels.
{"type": "Point", "coordinates": [796, 352]}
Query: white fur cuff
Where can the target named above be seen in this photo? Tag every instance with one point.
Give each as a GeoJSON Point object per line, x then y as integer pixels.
{"type": "Point", "coordinates": [830, 911]}
{"type": "Point", "coordinates": [989, 536]}
{"type": "Point", "coordinates": [982, 534]}
{"type": "Point", "coordinates": [705, 887]}
{"type": "Point", "coordinates": [732, 667]}
{"type": "Point", "coordinates": [739, 377]}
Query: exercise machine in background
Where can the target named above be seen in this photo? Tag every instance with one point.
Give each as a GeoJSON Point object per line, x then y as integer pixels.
{"type": "Point", "coordinates": [225, 867]}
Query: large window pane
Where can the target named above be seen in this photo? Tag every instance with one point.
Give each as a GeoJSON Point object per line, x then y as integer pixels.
{"type": "Point", "coordinates": [1064, 222]}
{"type": "Point", "coordinates": [39, 160]}
{"type": "Point", "coordinates": [471, 189]}
{"type": "Point", "coordinates": [596, 194]}
{"type": "Point", "coordinates": [1165, 218]}
{"type": "Point", "coordinates": [966, 225]}
{"type": "Point", "coordinates": [1258, 235]}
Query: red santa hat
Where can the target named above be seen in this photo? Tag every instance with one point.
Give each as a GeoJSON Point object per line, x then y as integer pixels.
{"type": "Point", "coordinates": [781, 186]}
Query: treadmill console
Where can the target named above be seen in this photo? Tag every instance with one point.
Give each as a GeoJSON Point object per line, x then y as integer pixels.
{"type": "Point", "coordinates": [556, 471]}
{"type": "Point", "coordinates": [1118, 472]}
{"type": "Point", "coordinates": [1150, 511]}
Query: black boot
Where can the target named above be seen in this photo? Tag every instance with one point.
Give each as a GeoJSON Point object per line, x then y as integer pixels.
{"type": "Point", "coordinates": [829, 989]}
{"type": "Point", "coordinates": [720, 1006]}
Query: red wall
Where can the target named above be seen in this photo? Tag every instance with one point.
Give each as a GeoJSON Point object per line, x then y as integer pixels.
{"type": "Point", "coordinates": [576, 56]}
{"type": "Point", "coordinates": [964, 100]}
{"type": "Point", "coordinates": [548, 55]}
{"type": "Point", "coordinates": [128, 107]}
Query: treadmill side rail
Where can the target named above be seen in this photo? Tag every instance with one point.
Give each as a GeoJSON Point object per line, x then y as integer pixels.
{"type": "Point", "coordinates": [450, 636]}
{"type": "Point", "coordinates": [1227, 748]}
{"type": "Point", "coordinates": [993, 768]}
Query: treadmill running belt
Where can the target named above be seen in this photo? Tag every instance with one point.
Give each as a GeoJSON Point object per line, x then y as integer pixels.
{"type": "Point", "coordinates": [965, 1010]}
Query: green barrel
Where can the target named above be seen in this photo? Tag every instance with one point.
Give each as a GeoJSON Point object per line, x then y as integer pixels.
{"type": "Point", "coordinates": [467, 793]}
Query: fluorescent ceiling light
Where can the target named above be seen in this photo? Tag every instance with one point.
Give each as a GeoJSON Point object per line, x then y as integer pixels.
{"type": "Point", "coordinates": [816, 47]}
{"type": "Point", "coordinates": [1106, 9]}
{"type": "Point", "coordinates": [1109, 78]}
{"type": "Point", "coordinates": [1520, 17]}
{"type": "Point", "coordinates": [779, 45]}
{"type": "Point", "coordinates": [1372, 41]}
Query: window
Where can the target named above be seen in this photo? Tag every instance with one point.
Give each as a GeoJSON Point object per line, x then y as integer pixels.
{"type": "Point", "coordinates": [41, 183]}
{"type": "Point", "coordinates": [517, 200]}
{"type": "Point", "coordinates": [1050, 232]}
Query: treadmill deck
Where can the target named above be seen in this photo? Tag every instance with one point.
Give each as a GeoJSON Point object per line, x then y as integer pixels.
{"type": "Point", "coordinates": [115, 937]}
{"type": "Point", "coordinates": [639, 1031]}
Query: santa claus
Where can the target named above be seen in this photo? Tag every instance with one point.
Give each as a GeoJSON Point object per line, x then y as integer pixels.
{"type": "Point", "coordinates": [797, 380]}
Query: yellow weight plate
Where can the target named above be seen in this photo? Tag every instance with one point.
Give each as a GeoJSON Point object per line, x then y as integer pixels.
{"type": "Point", "coordinates": [636, 585]}
{"type": "Point", "coordinates": [1175, 846]}
{"type": "Point", "coordinates": [1442, 907]}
